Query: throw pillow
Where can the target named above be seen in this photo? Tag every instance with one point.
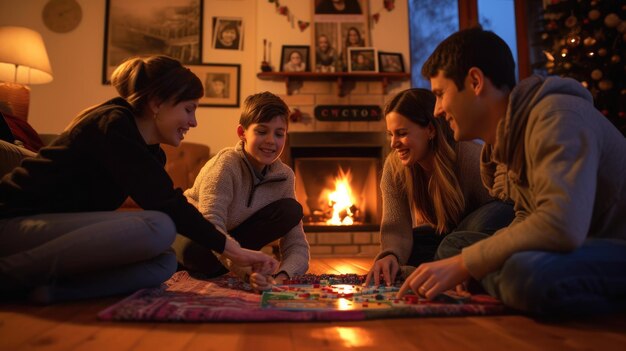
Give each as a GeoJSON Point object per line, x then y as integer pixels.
{"type": "Point", "coordinates": [23, 132]}
{"type": "Point", "coordinates": [5, 131]}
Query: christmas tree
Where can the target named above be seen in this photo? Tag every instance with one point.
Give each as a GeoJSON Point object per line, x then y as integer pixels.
{"type": "Point", "coordinates": [586, 40]}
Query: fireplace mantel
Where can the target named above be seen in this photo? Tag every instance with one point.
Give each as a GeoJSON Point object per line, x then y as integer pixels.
{"type": "Point", "coordinates": [293, 80]}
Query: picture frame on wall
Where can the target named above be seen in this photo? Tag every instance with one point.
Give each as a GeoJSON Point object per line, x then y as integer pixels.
{"type": "Point", "coordinates": [221, 83]}
{"type": "Point", "coordinates": [145, 27]}
{"type": "Point", "coordinates": [337, 26]}
{"type": "Point", "coordinates": [392, 62]}
{"type": "Point", "coordinates": [362, 60]}
{"type": "Point", "coordinates": [294, 58]}
{"type": "Point", "coordinates": [228, 33]}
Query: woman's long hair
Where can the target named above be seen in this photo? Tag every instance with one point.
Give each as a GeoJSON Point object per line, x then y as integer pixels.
{"type": "Point", "coordinates": [140, 79]}
{"type": "Point", "coordinates": [439, 200]}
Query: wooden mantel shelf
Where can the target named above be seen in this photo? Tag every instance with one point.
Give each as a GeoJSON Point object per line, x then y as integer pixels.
{"type": "Point", "coordinates": [340, 77]}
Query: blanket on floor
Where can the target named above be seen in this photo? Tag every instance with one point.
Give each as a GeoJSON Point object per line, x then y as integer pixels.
{"type": "Point", "coordinates": [226, 299]}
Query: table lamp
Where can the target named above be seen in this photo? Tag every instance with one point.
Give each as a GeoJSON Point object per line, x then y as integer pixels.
{"type": "Point", "coordinates": [23, 61]}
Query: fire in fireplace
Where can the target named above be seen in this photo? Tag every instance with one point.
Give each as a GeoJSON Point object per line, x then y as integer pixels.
{"type": "Point", "coordinates": [337, 178]}
{"type": "Point", "coordinates": [342, 209]}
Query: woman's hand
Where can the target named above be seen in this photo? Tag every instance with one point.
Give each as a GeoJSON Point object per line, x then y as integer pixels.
{"type": "Point", "coordinates": [388, 266]}
{"type": "Point", "coordinates": [262, 282]}
{"type": "Point", "coordinates": [431, 279]}
{"type": "Point", "coordinates": [258, 261]}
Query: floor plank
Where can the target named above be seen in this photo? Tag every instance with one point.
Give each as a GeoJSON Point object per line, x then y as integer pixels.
{"type": "Point", "coordinates": [73, 326]}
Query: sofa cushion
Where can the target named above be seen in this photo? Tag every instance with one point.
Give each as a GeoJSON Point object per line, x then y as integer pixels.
{"type": "Point", "coordinates": [185, 162]}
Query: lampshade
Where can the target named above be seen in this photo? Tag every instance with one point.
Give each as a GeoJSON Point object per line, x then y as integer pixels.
{"type": "Point", "coordinates": [23, 56]}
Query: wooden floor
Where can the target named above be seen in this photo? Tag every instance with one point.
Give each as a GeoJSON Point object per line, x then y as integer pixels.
{"type": "Point", "coordinates": [73, 326]}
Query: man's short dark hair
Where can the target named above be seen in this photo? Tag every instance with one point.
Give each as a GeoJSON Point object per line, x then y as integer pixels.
{"type": "Point", "coordinates": [469, 48]}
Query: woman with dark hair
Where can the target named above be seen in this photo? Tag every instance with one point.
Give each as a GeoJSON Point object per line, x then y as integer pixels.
{"type": "Point", "coordinates": [60, 236]}
{"type": "Point", "coordinates": [431, 186]}
{"type": "Point", "coordinates": [353, 38]}
{"type": "Point", "coordinates": [228, 36]}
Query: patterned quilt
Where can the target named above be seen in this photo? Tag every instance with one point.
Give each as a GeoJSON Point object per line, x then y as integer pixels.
{"type": "Point", "coordinates": [184, 298]}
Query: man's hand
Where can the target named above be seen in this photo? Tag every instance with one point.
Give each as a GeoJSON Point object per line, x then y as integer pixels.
{"type": "Point", "coordinates": [388, 266]}
{"type": "Point", "coordinates": [433, 278]}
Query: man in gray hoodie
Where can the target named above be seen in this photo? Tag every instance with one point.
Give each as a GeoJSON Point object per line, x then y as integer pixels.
{"type": "Point", "coordinates": [562, 163]}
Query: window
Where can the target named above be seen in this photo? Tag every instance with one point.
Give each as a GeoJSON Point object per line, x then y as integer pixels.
{"type": "Point", "coordinates": [430, 22]}
{"type": "Point", "coordinates": [498, 16]}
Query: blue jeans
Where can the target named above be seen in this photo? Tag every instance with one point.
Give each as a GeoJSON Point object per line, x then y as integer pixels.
{"type": "Point", "coordinates": [486, 219]}
{"type": "Point", "coordinates": [69, 256]}
{"type": "Point", "coordinates": [591, 279]}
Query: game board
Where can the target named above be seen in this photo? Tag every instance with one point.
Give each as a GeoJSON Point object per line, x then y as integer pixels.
{"type": "Point", "coordinates": [333, 294]}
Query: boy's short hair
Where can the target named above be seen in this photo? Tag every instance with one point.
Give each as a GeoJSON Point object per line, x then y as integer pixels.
{"type": "Point", "coordinates": [473, 47]}
{"type": "Point", "coordinates": [262, 108]}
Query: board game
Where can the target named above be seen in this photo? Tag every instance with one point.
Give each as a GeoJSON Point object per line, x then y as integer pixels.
{"type": "Point", "coordinates": [343, 293]}
{"type": "Point", "coordinates": [308, 298]}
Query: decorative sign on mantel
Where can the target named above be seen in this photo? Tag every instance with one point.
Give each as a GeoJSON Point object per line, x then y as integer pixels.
{"type": "Point", "coordinates": [342, 113]}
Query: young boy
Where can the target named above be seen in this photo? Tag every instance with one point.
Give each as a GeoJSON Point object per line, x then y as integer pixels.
{"type": "Point", "coordinates": [549, 150]}
{"type": "Point", "coordinates": [248, 192]}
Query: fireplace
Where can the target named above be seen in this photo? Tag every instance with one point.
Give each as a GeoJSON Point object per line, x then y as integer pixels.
{"type": "Point", "coordinates": [337, 179]}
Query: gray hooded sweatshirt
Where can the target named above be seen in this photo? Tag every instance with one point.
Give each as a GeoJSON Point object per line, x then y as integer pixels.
{"type": "Point", "coordinates": [562, 163]}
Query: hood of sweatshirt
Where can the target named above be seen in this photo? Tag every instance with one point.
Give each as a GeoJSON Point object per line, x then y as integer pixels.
{"type": "Point", "coordinates": [509, 148]}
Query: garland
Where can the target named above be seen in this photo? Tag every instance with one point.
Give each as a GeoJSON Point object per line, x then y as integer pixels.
{"type": "Point", "coordinates": [388, 5]}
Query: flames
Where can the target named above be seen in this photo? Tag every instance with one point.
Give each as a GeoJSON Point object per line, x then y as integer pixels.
{"type": "Point", "coordinates": [341, 200]}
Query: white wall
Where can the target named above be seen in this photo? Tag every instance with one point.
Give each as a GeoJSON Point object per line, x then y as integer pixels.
{"type": "Point", "coordinates": [76, 57]}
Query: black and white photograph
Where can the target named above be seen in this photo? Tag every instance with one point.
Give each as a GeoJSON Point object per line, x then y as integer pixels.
{"type": "Point", "coordinates": [390, 62]}
{"type": "Point", "coordinates": [221, 84]}
{"type": "Point", "coordinates": [362, 60]}
{"type": "Point", "coordinates": [294, 58]}
{"type": "Point", "coordinates": [228, 33]}
{"type": "Point", "coordinates": [150, 27]}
